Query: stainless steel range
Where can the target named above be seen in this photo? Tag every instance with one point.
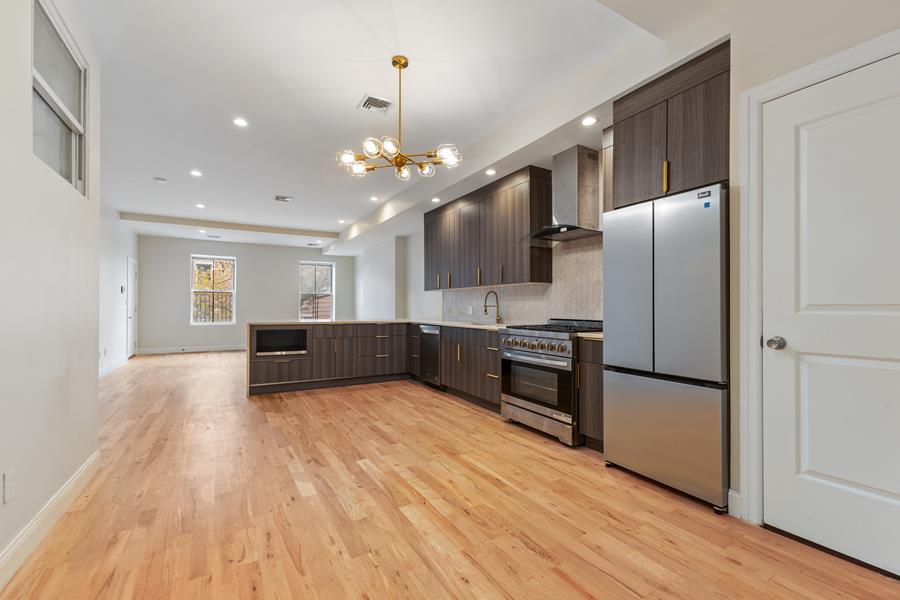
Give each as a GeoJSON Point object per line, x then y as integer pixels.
{"type": "Point", "coordinates": [538, 376]}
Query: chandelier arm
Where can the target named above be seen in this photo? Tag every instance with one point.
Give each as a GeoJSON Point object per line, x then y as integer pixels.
{"type": "Point", "coordinates": [425, 154]}
{"type": "Point", "coordinates": [400, 107]}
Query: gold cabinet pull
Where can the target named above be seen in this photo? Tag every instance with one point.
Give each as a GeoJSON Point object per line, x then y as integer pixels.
{"type": "Point", "coordinates": [437, 280]}
{"type": "Point", "coordinates": [492, 349]}
{"type": "Point", "coordinates": [380, 337]}
{"type": "Point", "coordinates": [334, 345]}
{"type": "Point", "coordinates": [449, 280]}
{"type": "Point", "coordinates": [458, 353]}
{"type": "Point", "coordinates": [501, 273]}
{"type": "Point", "coordinates": [665, 177]}
{"type": "Point", "coordinates": [492, 376]}
{"type": "Point", "coordinates": [382, 356]}
{"type": "Point", "coordinates": [478, 272]}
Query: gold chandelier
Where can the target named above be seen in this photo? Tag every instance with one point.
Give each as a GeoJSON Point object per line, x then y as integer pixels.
{"type": "Point", "coordinates": [388, 148]}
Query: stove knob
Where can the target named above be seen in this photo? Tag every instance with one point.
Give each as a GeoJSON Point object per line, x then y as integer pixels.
{"type": "Point", "coordinates": [542, 346]}
{"type": "Point", "coordinates": [532, 345]}
{"type": "Point", "coordinates": [560, 347]}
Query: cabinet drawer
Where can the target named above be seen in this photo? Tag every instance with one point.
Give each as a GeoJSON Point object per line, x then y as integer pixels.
{"type": "Point", "coordinates": [380, 329]}
{"type": "Point", "coordinates": [371, 366]}
{"type": "Point", "coordinates": [372, 346]}
{"type": "Point", "coordinates": [265, 372]}
{"type": "Point", "coordinates": [330, 331]}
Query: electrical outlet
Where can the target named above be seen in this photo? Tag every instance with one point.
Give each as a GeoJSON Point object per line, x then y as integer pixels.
{"type": "Point", "coordinates": [9, 486]}
{"type": "Point", "coordinates": [470, 310]}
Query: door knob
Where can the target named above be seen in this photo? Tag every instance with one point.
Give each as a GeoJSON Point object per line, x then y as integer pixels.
{"type": "Point", "coordinates": [776, 343]}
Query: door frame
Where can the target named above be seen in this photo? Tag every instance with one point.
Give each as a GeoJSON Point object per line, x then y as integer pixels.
{"type": "Point", "coordinates": [128, 292]}
{"type": "Point", "coordinates": [750, 504]}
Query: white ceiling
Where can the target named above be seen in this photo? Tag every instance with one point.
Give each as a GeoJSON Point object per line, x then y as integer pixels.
{"type": "Point", "coordinates": [176, 73]}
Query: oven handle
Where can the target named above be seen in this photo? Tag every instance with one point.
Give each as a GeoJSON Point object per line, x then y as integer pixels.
{"type": "Point", "coordinates": [534, 360]}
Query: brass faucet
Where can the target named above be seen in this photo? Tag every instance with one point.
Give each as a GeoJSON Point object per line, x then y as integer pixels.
{"type": "Point", "coordinates": [495, 305]}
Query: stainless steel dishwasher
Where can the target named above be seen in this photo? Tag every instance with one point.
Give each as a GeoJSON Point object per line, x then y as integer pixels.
{"type": "Point", "coordinates": [430, 354]}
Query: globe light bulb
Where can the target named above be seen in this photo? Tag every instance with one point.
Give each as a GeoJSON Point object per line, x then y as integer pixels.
{"type": "Point", "coordinates": [345, 158]}
{"type": "Point", "coordinates": [426, 169]}
{"type": "Point", "coordinates": [403, 173]}
{"type": "Point", "coordinates": [452, 162]}
{"type": "Point", "coordinates": [372, 147]}
{"type": "Point", "coordinates": [358, 169]}
{"type": "Point", "coordinates": [390, 147]}
{"type": "Point", "coordinates": [446, 151]}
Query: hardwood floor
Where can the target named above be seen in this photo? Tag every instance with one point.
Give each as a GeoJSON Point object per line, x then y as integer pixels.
{"type": "Point", "coordinates": [383, 491]}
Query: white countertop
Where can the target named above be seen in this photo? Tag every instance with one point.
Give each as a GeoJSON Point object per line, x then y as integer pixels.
{"type": "Point", "coordinates": [464, 324]}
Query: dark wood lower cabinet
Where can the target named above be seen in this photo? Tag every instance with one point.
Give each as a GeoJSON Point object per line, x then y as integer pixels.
{"type": "Point", "coordinates": [490, 368]}
{"type": "Point", "coordinates": [590, 389]}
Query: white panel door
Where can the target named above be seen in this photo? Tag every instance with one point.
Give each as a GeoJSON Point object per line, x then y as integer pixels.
{"type": "Point", "coordinates": [831, 289]}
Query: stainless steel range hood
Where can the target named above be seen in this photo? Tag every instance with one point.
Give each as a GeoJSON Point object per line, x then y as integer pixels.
{"type": "Point", "coordinates": [576, 196]}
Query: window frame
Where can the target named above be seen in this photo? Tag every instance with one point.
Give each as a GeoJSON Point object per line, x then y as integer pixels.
{"type": "Point", "coordinates": [191, 291]}
{"type": "Point", "coordinates": [76, 124]}
{"type": "Point", "coordinates": [300, 293]}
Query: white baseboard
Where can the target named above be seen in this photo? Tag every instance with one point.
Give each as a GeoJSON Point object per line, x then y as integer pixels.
{"type": "Point", "coordinates": [735, 504]}
{"type": "Point", "coordinates": [107, 369]}
{"type": "Point", "coordinates": [179, 349]}
{"type": "Point", "coordinates": [14, 555]}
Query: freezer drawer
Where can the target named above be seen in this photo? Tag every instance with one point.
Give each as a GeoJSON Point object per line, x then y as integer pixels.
{"type": "Point", "coordinates": [671, 432]}
{"type": "Point", "coordinates": [690, 285]}
{"type": "Point", "coordinates": [628, 287]}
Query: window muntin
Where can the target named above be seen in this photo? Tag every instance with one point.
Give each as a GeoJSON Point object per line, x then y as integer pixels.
{"type": "Point", "coordinates": [316, 291]}
{"type": "Point", "coordinates": [58, 81]}
{"type": "Point", "coordinates": [212, 290]}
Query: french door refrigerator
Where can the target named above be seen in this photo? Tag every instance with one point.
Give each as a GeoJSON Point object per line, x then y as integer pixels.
{"type": "Point", "coordinates": [665, 346]}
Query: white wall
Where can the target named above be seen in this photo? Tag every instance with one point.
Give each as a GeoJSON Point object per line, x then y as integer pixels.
{"type": "Point", "coordinates": [117, 244]}
{"type": "Point", "coordinates": [419, 303]}
{"type": "Point", "coordinates": [268, 288]}
{"type": "Point", "coordinates": [48, 308]}
{"type": "Point", "coordinates": [381, 280]}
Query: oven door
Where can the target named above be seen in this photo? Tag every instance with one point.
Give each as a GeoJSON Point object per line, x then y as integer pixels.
{"type": "Point", "coordinates": [542, 384]}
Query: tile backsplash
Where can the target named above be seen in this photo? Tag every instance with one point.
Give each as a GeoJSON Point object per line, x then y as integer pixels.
{"type": "Point", "coordinates": [576, 291]}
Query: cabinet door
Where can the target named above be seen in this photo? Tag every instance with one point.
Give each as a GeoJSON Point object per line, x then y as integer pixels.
{"type": "Point", "coordinates": [433, 247]}
{"type": "Point", "coordinates": [698, 135]}
{"type": "Point", "coordinates": [489, 239]}
{"type": "Point", "coordinates": [451, 252]}
{"type": "Point", "coordinates": [640, 153]}
{"type": "Point", "coordinates": [344, 357]}
{"type": "Point", "coordinates": [590, 399]}
{"type": "Point", "coordinates": [280, 370]}
{"type": "Point", "coordinates": [469, 255]}
{"type": "Point", "coordinates": [470, 375]}
{"type": "Point", "coordinates": [514, 236]}
{"type": "Point", "coordinates": [449, 365]}
{"type": "Point", "coordinates": [323, 358]}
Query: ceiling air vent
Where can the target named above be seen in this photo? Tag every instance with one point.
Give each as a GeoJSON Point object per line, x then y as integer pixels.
{"type": "Point", "coordinates": [374, 104]}
{"type": "Point", "coordinates": [285, 199]}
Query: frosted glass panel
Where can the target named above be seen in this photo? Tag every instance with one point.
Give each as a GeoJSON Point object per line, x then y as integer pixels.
{"type": "Point", "coordinates": [52, 139]}
{"type": "Point", "coordinates": [55, 63]}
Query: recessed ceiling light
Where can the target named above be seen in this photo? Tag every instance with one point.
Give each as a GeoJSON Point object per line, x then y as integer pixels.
{"type": "Point", "coordinates": [588, 121]}
{"type": "Point", "coordinates": [435, 200]}
{"type": "Point", "coordinates": [240, 122]}
{"type": "Point", "coordinates": [200, 205]}
{"type": "Point", "coordinates": [374, 198]}
{"type": "Point", "coordinates": [341, 221]}
{"type": "Point", "coordinates": [490, 172]}
{"type": "Point", "coordinates": [202, 231]}
{"type": "Point", "coordinates": [284, 199]}
{"type": "Point", "coordinates": [196, 173]}
{"type": "Point", "coordinates": [160, 180]}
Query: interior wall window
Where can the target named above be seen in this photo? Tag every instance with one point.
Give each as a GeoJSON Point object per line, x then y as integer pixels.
{"type": "Point", "coordinates": [58, 81]}
{"type": "Point", "coordinates": [316, 291]}
{"type": "Point", "coordinates": [212, 290]}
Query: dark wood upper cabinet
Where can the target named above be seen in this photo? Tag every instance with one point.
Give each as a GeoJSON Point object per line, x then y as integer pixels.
{"type": "Point", "coordinates": [671, 134]}
{"type": "Point", "coordinates": [698, 135]}
{"type": "Point", "coordinates": [640, 155]}
{"type": "Point", "coordinates": [484, 238]}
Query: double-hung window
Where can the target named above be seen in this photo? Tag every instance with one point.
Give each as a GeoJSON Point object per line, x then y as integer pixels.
{"type": "Point", "coordinates": [316, 291]}
{"type": "Point", "coordinates": [212, 290]}
{"type": "Point", "coordinates": [58, 100]}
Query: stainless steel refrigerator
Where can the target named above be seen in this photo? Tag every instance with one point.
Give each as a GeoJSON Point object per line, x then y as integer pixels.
{"type": "Point", "coordinates": [665, 346]}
